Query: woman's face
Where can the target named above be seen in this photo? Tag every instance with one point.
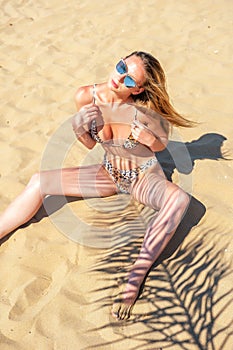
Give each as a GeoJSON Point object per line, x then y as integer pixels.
{"type": "Point", "coordinates": [135, 69]}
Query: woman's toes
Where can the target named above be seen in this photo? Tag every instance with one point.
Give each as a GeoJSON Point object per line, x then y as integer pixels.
{"type": "Point", "coordinates": [121, 311]}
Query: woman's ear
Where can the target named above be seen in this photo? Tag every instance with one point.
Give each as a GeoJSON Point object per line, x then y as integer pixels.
{"type": "Point", "coordinates": [138, 91]}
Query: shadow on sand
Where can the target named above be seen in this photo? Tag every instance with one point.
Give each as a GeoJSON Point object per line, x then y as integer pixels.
{"type": "Point", "coordinates": [182, 287]}
{"type": "Point", "coordinates": [190, 308]}
{"type": "Point", "coordinates": [207, 146]}
{"type": "Point", "coordinates": [181, 304]}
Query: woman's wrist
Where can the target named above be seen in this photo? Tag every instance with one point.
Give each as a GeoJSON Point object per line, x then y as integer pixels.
{"type": "Point", "coordinates": [157, 145]}
{"type": "Point", "coordinates": [77, 124]}
{"type": "Point", "coordinates": [79, 131]}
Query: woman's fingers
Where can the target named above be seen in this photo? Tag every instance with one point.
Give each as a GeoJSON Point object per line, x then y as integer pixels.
{"type": "Point", "coordinates": [91, 113]}
{"type": "Point", "coordinates": [135, 129]}
{"type": "Point", "coordinates": [135, 133]}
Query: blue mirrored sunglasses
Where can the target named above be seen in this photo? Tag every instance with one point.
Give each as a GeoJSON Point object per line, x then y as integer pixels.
{"type": "Point", "coordinates": [121, 68]}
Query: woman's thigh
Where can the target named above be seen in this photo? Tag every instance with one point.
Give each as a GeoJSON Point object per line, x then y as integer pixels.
{"type": "Point", "coordinates": [86, 181]}
{"type": "Point", "coordinates": [154, 190]}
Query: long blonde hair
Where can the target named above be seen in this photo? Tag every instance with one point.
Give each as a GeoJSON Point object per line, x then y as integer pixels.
{"type": "Point", "coordinates": [155, 95]}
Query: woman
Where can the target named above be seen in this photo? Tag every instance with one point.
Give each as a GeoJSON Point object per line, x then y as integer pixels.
{"type": "Point", "coordinates": [129, 116]}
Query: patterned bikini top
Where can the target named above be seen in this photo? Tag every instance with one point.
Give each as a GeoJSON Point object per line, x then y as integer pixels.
{"type": "Point", "coordinates": [129, 143]}
{"type": "Point", "coordinates": [93, 130]}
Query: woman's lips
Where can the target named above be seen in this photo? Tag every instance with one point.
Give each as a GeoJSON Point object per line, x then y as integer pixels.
{"type": "Point", "coordinates": [114, 84]}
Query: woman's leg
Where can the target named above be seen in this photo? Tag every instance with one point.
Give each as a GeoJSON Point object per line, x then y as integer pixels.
{"type": "Point", "coordinates": [156, 192]}
{"type": "Point", "coordinates": [88, 181]}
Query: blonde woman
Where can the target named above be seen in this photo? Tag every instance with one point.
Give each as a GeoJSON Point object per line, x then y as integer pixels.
{"type": "Point", "coordinates": [129, 116]}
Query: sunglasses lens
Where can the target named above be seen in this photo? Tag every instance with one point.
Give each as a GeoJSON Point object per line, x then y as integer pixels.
{"type": "Point", "coordinates": [121, 67]}
{"type": "Point", "coordinates": [129, 82]}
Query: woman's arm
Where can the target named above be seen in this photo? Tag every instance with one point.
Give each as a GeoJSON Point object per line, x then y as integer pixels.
{"type": "Point", "coordinates": [158, 143]}
{"type": "Point", "coordinates": [81, 120]}
{"type": "Point", "coordinates": [81, 133]}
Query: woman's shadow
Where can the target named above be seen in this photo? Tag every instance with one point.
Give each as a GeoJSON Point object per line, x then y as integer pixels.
{"type": "Point", "coordinates": [182, 156]}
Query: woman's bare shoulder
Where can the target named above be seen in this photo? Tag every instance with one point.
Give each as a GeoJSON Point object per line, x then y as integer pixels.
{"type": "Point", "coordinates": [83, 96]}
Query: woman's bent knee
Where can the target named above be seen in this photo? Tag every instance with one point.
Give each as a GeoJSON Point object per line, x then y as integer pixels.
{"type": "Point", "coordinates": [35, 180]}
{"type": "Point", "coordinates": [183, 199]}
{"type": "Point", "coordinates": [34, 183]}
{"type": "Point", "coordinates": [46, 182]}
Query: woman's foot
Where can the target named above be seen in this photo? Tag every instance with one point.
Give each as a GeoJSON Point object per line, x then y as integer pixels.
{"type": "Point", "coordinates": [123, 304]}
{"type": "Point", "coordinates": [129, 291]}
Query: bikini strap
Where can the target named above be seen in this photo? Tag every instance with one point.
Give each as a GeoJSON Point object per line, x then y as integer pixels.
{"type": "Point", "coordinates": [93, 129]}
{"type": "Point", "coordinates": [94, 93]}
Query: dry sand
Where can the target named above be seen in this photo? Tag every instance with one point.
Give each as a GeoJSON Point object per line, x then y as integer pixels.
{"type": "Point", "coordinates": [56, 293]}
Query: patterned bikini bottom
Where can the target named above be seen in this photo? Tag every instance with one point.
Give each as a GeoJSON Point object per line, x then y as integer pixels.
{"type": "Point", "coordinates": [124, 178]}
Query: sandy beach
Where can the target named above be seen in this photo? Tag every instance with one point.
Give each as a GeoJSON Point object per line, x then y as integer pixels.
{"type": "Point", "coordinates": [61, 272]}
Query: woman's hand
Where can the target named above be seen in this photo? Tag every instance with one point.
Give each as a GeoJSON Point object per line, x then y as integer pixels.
{"type": "Point", "coordinates": [84, 118]}
{"type": "Point", "coordinates": [145, 136]}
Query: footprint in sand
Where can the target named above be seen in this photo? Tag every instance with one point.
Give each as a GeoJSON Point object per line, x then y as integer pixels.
{"type": "Point", "coordinates": [34, 295]}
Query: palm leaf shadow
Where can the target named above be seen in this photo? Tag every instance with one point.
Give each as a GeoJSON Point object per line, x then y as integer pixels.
{"type": "Point", "coordinates": [190, 303]}
{"type": "Point", "coordinates": [192, 278]}
{"type": "Point", "coordinates": [188, 317]}
{"type": "Point", "coordinates": [183, 294]}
